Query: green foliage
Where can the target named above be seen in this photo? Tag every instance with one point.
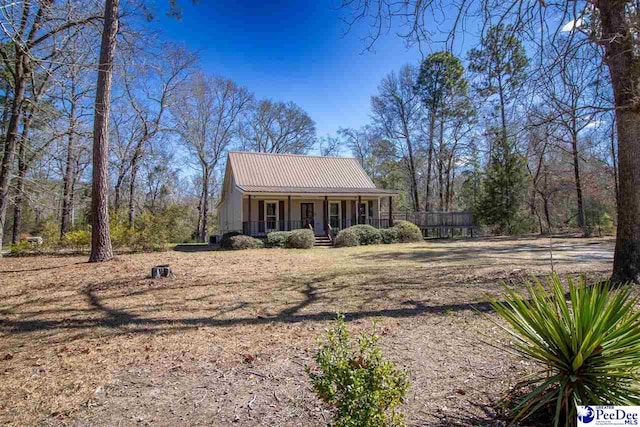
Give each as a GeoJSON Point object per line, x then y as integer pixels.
{"type": "Point", "coordinates": [363, 387]}
{"type": "Point", "coordinates": [597, 216]}
{"type": "Point", "coordinates": [77, 239]}
{"type": "Point", "coordinates": [408, 232]}
{"type": "Point", "coordinates": [245, 242]}
{"type": "Point", "coordinates": [503, 188]}
{"type": "Point", "coordinates": [301, 239]}
{"type": "Point", "coordinates": [501, 62]}
{"type": "Point", "coordinates": [441, 77]}
{"type": "Point", "coordinates": [21, 248]}
{"type": "Point", "coordinates": [347, 237]}
{"type": "Point", "coordinates": [225, 240]}
{"type": "Point", "coordinates": [367, 234]}
{"type": "Point", "coordinates": [390, 235]}
{"type": "Point", "coordinates": [278, 239]}
{"type": "Point", "coordinates": [587, 352]}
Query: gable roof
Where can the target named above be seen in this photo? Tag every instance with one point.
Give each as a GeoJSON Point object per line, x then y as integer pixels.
{"type": "Point", "coordinates": [294, 173]}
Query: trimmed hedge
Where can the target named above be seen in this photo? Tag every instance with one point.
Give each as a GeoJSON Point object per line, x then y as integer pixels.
{"type": "Point", "coordinates": [301, 239]}
{"type": "Point", "coordinates": [347, 237]}
{"type": "Point", "coordinates": [367, 235]}
{"type": "Point", "coordinates": [408, 232]}
{"type": "Point", "coordinates": [389, 235]}
{"type": "Point", "coordinates": [225, 240]}
{"type": "Point", "coordinates": [245, 242]}
{"type": "Point", "coordinates": [278, 239]}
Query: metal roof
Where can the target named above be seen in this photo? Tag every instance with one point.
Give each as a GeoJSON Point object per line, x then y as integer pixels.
{"type": "Point", "coordinates": [294, 173]}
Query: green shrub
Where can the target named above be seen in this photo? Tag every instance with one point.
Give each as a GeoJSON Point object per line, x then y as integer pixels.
{"type": "Point", "coordinates": [77, 239]}
{"type": "Point", "coordinates": [21, 248]}
{"type": "Point", "coordinates": [363, 387]}
{"type": "Point", "coordinates": [225, 240]}
{"type": "Point", "coordinates": [245, 242]}
{"type": "Point", "coordinates": [278, 239]}
{"type": "Point", "coordinates": [347, 237]}
{"type": "Point", "coordinates": [587, 352]}
{"type": "Point", "coordinates": [408, 232]}
{"type": "Point", "coordinates": [301, 239]}
{"type": "Point", "coordinates": [367, 235]}
{"type": "Point", "coordinates": [389, 235]}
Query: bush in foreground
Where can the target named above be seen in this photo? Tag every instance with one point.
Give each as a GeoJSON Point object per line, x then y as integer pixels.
{"type": "Point", "coordinates": [389, 235]}
{"type": "Point", "coordinates": [367, 234]}
{"type": "Point", "coordinates": [347, 237]}
{"type": "Point", "coordinates": [301, 239]}
{"type": "Point", "coordinates": [278, 239]}
{"type": "Point", "coordinates": [245, 242]}
{"type": "Point", "coordinates": [363, 387]}
{"type": "Point", "coordinates": [587, 352]}
{"type": "Point", "coordinates": [408, 232]}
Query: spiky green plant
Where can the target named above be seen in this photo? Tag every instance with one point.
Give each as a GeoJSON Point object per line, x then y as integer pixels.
{"type": "Point", "coordinates": [586, 346]}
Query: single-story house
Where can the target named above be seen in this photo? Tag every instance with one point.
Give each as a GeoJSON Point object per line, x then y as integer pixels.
{"type": "Point", "coordinates": [264, 192]}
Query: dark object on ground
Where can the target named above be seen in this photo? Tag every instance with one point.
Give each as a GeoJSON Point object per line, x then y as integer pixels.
{"type": "Point", "coordinates": [225, 241]}
{"type": "Point", "coordinates": [160, 271]}
{"type": "Point", "coordinates": [213, 240]}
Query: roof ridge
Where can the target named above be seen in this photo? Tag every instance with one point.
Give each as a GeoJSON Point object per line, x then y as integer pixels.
{"type": "Point", "coordinates": [290, 155]}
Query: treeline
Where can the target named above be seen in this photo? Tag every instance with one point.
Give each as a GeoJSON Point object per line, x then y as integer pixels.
{"type": "Point", "coordinates": [528, 146]}
{"type": "Point", "coordinates": [170, 125]}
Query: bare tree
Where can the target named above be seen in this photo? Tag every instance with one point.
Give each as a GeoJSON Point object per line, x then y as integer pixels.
{"type": "Point", "coordinates": [150, 88]}
{"type": "Point", "coordinates": [32, 32]}
{"type": "Point", "coordinates": [397, 110]}
{"type": "Point", "coordinates": [207, 119]}
{"type": "Point", "coordinates": [278, 127]}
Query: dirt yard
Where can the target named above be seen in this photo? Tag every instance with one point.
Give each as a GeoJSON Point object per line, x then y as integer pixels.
{"type": "Point", "coordinates": [226, 341]}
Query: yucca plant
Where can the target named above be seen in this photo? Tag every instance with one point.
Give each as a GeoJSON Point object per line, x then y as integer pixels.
{"type": "Point", "coordinates": [586, 345]}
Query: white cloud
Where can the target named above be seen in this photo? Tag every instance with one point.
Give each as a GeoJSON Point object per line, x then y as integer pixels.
{"type": "Point", "coordinates": [571, 25]}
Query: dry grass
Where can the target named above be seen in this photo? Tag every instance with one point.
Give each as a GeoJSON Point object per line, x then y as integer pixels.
{"type": "Point", "coordinates": [226, 340]}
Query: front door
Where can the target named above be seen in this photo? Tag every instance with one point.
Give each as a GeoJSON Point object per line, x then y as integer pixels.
{"type": "Point", "coordinates": [306, 215]}
{"type": "Point", "coordinates": [271, 216]}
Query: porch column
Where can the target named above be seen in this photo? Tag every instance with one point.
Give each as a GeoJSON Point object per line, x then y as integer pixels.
{"type": "Point", "coordinates": [325, 213]}
{"type": "Point", "coordinates": [289, 213]}
{"type": "Point", "coordinates": [249, 218]}
{"type": "Point", "coordinates": [390, 211]}
{"type": "Point", "coordinates": [358, 210]}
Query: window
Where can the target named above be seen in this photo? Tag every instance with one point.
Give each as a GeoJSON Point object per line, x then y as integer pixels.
{"type": "Point", "coordinates": [334, 214]}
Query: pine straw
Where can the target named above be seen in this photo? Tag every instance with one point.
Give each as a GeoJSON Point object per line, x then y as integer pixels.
{"type": "Point", "coordinates": [227, 339]}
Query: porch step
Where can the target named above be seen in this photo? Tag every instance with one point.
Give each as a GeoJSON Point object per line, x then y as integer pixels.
{"type": "Point", "coordinates": [323, 241]}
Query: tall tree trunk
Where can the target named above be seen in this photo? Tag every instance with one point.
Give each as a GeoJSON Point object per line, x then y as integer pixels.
{"type": "Point", "coordinates": [440, 166]}
{"type": "Point", "coordinates": [69, 166]}
{"type": "Point", "coordinates": [19, 200]}
{"type": "Point", "coordinates": [432, 125]}
{"type": "Point", "coordinates": [618, 40]}
{"type": "Point", "coordinates": [582, 223]}
{"type": "Point", "coordinates": [22, 173]}
{"type": "Point", "coordinates": [101, 249]}
{"type": "Point", "coordinates": [132, 188]}
{"type": "Point", "coordinates": [205, 205]}
{"type": "Point", "coordinates": [11, 141]}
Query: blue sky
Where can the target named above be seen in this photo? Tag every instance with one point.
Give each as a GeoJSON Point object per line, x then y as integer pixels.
{"type": "Point", "coordinates": [291, 51]}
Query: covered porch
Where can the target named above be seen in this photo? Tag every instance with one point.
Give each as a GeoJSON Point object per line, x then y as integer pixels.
{"type": "Point", "coordinates": [324, 214]}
